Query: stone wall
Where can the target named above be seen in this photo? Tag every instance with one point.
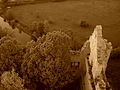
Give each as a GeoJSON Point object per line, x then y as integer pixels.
{"type": "Point", "coordinates": [94, 58]}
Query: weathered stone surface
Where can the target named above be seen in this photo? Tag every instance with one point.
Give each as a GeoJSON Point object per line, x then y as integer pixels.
{"type": "Point", "coordinates": [95, 54]}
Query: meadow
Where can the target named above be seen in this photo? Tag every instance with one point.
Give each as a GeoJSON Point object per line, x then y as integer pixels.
{"type": "Point", "coordinates": [68, 15]}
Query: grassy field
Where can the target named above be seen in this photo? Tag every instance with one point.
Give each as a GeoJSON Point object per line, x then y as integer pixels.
{"type": "Point", "coordinates": [69, 14]}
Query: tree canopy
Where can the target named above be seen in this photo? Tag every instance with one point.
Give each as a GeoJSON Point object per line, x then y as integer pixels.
{"type": "Point", "coordinates": [44, 62]}
{"type": "Point", "coordinates": [48, 60]}
{"type": "Point", "coordinates": [11, 54]}
{"type": "Point", "coordinates": [11, 81]}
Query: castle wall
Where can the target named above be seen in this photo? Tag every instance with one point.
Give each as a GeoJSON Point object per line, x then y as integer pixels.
{"type": "Point", "coordinates": [95, 54]}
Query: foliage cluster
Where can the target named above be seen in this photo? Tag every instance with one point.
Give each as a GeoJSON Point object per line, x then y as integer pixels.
{"type": "Point", "coordinates": [46, 60]}
{"type": "Point", "coordinates": [74, 45]}
{"type": "Point", "coordinates": [38, 63]}
{"type": "Point", "coordinates": [84, 24]}
{"type": "Point", "coordinates": [38, 28]}
{"type": "Point", "coordinates": [11, 81]}
{"type": "Point", "coordinates": [11, 54]}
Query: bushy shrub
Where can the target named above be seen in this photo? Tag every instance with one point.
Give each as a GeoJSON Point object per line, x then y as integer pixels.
{"type": "Point", "coordinates": [11, 54]}
{"type": "Point", "coordinates": [84, 24]}
{"type": "Point", "coordinates": [75, 45]}
{"type": "Point", "coordinates": [38, 28]}
{"type": "Point", "coordinates": [2, 87]}
{"type": "Point", "coordinates": [47, 61]}
{"type": "Point", "coordinates": [11, 81]}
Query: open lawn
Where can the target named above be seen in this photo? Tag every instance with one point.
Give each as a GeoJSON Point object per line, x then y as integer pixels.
{"type": "Point", "coordinates": [69, 14]}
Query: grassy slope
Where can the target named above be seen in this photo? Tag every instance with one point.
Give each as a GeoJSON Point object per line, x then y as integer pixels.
{"type": "Point", "coordinates": [69, 14]}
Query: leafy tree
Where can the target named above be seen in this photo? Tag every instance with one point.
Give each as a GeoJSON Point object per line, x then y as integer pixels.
{"type": "Point", "coordinates": [11, 81]}
{"type": "Point", "coordinates": [47, 61]}
{"type": "Point", "coordinates": [2, 87]}
{"type": "Point", "coordinates": [75, 45]}
{"type": "Point", "coordinates": [38, 28]}
{"type": "Point", "coordinates": [11, 54]}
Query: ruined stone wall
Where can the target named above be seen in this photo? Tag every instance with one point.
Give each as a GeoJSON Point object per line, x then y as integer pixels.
{"type": "Point", "coordinates": [94, 57]}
